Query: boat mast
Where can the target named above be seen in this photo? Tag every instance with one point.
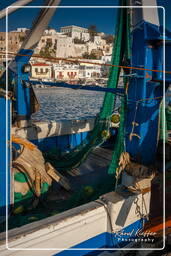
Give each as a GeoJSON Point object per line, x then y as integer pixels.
{"type": "Point", "coordinates": [15, 6]}
{"type": "Point", "coordinates": [147, 14]}
{"type": "Point", "coordinates": [145, 90]}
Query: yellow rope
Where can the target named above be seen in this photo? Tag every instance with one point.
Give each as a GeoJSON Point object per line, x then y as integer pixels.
{"type": "Point", "coordinates": [23, 142]}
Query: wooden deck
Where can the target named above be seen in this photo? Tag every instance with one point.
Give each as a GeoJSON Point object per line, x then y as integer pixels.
{"type": "Point", "coordinates": [93, 170]}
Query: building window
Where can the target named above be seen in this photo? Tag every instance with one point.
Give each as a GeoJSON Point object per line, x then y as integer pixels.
{"type": "Point", "coordinates": [41, 70]}
{"type": "Point", "coordinates": [47, 70]}
{"type": "Point", "coordinates": [36, 70]}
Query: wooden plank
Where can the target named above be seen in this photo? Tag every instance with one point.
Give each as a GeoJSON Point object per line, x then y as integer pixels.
{"type": "Point", "coordinates": [74, 172]}
{"type": "Point", "coordinates": [63, 181]}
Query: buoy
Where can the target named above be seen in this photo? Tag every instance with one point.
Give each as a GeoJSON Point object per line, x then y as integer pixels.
{"type": "Point", "coordinates": [115, 118]}
{"type": "Point", "coordinates": [88, 190]}
{"type": "Point", "coordinates": [18, 210]}
{"type": "Point", "coordinates": [105, 134]}
{"type": "Point", "coordinates": [32, 218]}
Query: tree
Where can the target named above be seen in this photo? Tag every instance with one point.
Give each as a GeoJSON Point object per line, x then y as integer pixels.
{"type": "Point", "coordinates": [92, 29]}
{"type": "Point", "coordinates": [78, 41]}
{"type": "Point", "coordinates": [45, 52]}
{"type": "Point", "coordinates": [86, 55]}
{"type": "Point", "coordinates": [48, 43]}
{"type": "Point", "coordinates": [21, 38]}
{"type": "Point", "coordinates": [109, 39]}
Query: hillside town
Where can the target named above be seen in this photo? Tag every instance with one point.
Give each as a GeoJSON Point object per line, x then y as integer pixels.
{"type": "Point", "coordinates": [81, 44]}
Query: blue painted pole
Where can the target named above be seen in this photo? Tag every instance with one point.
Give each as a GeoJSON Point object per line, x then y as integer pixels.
{"type": "Point", "coordinates": [81, 87]}
{"type": "Point", "coordinates": [143, 116]}
{"type": "Point", "coordinates": [22, 105]}
{"type": "Point", "coordinates": [5, 168]}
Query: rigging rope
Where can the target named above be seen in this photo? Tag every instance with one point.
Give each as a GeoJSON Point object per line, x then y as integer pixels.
{"type": "Point", "coordinates": [54, 59]}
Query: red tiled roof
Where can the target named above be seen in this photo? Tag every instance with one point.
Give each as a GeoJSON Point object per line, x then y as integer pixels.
{"type": "Point", "coordinates": [40, 64]}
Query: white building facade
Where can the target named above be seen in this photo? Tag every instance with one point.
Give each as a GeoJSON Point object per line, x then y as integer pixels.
{"type": "Point", "coordinates": [90, 71]}
{"type": "Point", "coordinates": [74, 31]}
{"type": "Point", "coordinates": [66, 72]}
{"type": "Point", "coordinates": [64, 47]}
{"type": "Point", "coordinates": [41, 71]}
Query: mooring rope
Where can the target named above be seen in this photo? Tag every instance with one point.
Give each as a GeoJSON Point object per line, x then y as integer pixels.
{"type": "Point", "coordinates": [85, 62]}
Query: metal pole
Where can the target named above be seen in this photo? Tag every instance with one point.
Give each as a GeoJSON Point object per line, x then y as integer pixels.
{"type": "Point", "coordinates": [13, 9]}
{"type": "Point", "coordinates": [40, 24]}
{"type": "Point", "coordinates": [119, 91]}
{"type": "Point", "coordinates": [23, 106]}
{"type": "Point", "coordinates": [147, 14]}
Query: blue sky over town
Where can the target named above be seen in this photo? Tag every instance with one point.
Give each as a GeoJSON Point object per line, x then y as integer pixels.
{"type": "Point", "coordinates": [103, 18]}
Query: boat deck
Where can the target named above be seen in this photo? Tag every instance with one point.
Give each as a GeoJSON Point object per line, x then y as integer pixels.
{"type": "Point", "coordinates": [93, 171]}
{"type": "Point", "coordinates": [92, 174]}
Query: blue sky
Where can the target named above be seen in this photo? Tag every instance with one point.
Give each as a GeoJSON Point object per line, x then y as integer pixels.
{"type": "Point", "coordinates": [104, 19]}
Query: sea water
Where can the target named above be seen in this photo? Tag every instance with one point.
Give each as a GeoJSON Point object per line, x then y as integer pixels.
{"type": "Point", "coordinates": [67, 104]}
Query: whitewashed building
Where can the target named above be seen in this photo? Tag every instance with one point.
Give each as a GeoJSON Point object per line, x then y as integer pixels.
{"type": "Point", "coordinates": [106, 59]}
{"type": "Point", "coordinates": [98, 40]}
{"type": "Point", "coordinates": [47, 39]}
{"type": "Point", "coordinates": [50, 32]}
{"type": "Point", "coordinates": [41, 71]}
{"type": "Point", "coordinates": [74, 31]}
{"type": "Point", "coordinates": [89, 70]}
{"type": "Point", "coordinates": [63, 44]}
{"type": "Point", "coordinates": [85, 36]}
{"type": "Point", "coordinates": [24, 30]}
{"type": "Point", "coordinates": [64, 47]}
{"type": "Point", "coordinates": [79, 50]}
{"type": "Point", "coordinates": [66, 72]}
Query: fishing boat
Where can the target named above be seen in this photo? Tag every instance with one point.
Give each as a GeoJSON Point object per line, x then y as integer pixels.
{"type": "Point", "coordinates": [89, 186]}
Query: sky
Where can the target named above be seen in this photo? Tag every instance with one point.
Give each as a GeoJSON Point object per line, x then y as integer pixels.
{"type": "Point", "coordinates": [103, 18]}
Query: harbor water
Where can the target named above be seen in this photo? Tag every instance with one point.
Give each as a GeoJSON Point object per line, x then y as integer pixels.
{"type": "Point", "coordinates": [68, 104]}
